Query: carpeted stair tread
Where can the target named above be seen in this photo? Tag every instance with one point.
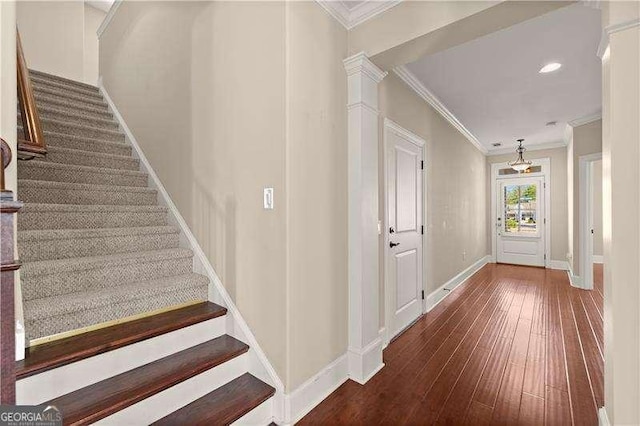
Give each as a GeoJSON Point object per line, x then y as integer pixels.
{"type": "Point", "coordinates": [76, 216]}
{"type": "Point", "coordinates": [99, 400]}
{"type": "Point", "coordinates": [67, 127]}
{"type": "Point", "coordinates": [37, 83]}
{"type": "Point", "coordinates": [68, 243]}
{"type": "Point", "coordinates": [77, 116]}
{"type": "Point", "coordinates": [43, 170]}
{"type": "Point", "coordinates": [56, 84]}
{"type": "Point", "coordinates": [69, 96]}
{"type": "Point", "coordinates": [49, 278]}
{"type": "Point", "coordinates": [224, 405]}
{"type": "Point", "coordinates": [40, 191]}
{"type": "Point", "coordinates": [60, 305]}
{"type": "Point", "coordinates": [44, 99]}
{"type": "Point", "coordinates": [57, 314]}
{"type": "Point", "coordinates": [85, 144]}
{"type": "Point", "coordinates": [63, 80]}
{"type": "Point", "coordinates": [79, 157]}
{"type": "Point", "coordinates": [45, 267]}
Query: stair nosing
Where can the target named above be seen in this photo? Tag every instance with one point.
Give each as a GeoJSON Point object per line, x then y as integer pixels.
{"type": "Point", "coordinates": [74, 234]}
{"type": "Point", "coordinates": [64, 86]}
{"type": "Point", "coordinates": [81, 126]}
{"type": "Point", "coordinates": [161, 382]}
{"type": "Point", "coordinates": [86, 186]}
{"type": "Point", "coordinates": [52, 110]}
{"type": "Point", "coordinates": [89, 169]}
{"type": "Point", "coordinates": [263, 395]}
{"type": "Point", "coordinates": [75, 302]}
{"type": "Point", "coordinates": [92, 154]}
{"type": "Point", "coordinates": [82, 138]}
{"type": "Point", "coordinates": [73, 264]}
{"type": "Point", "coordinates": [72, 96]}
{"type": "Point", "coordinates": [74, 208]}
{"type": "Point", "coordinates": [50, 99]}
{"type": "Point", "coordinates": [43, 74]}
{"type": "Point", "coordinates": [24, 369]}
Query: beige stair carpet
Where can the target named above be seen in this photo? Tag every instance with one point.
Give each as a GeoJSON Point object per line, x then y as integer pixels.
{"type": "Point", "coordinates": [95, 245]}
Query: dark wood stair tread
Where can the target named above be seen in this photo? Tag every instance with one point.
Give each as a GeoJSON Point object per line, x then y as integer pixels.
{"type": "Point", "coordinates": [99, 400]}
{"type": "Point", "coordinates": [224, 405]}
{"type": "Point", "coordinates": [75, 348]}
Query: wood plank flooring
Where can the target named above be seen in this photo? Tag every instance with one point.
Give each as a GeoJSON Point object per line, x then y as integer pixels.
{"type": "Point", "coordinates": [513, 345]}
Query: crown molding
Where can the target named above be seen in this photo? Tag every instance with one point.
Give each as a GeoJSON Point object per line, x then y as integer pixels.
{"type": "Point", "coordinates": [107, 19]}
{"type": "Point", "coordinates": [350, 18]}
{"type": "Point", "coordinates": [360, 63]}
{"type": "Point", "coordinates": [585, 120]}
{"type": "Point", "coordinates": [412, 81]}
{"type": "Point", "coordinates": [535, 147]}
{"type": "Point", "coordinates": [611, 29]}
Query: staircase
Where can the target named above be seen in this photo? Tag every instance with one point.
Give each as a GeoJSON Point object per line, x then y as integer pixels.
{"type": "Point", "coordinates": [134, 338]}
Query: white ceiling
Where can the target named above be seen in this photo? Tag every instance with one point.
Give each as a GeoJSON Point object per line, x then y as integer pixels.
{"type": "Point", "coordinates": [492, 85]}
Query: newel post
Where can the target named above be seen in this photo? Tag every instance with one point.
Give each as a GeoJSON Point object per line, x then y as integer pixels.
{"type": "Point", "coordinates": [8, 266]}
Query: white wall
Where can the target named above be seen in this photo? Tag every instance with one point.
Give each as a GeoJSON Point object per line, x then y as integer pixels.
{"type": "Point", "coordinates": [60, 37]}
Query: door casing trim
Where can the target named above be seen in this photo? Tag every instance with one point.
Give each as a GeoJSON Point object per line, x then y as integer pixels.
{"type": "Point", "coordinates": [546, 174]}
{"type": "Point", "coordinates": [585, 218]}
{"type": "Point", "coordinates": [391, 126]}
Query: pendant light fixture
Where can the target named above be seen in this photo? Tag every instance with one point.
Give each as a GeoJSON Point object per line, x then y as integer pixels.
{"type": "Point", "coordinates": [520, 164]}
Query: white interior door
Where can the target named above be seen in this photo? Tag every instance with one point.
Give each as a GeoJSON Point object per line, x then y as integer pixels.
{"type": "Point", "coordinates": [404, 198]}
{"type": "Point", "coordinates": [520, 221]}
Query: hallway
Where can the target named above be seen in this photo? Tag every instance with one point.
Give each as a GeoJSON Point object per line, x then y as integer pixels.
{"type": "Point", "coordinates": [513, 345]}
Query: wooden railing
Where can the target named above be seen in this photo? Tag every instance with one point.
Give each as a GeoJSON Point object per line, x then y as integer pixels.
{"type": "Point", "coordinates": [8, 266]}
{"type": "Point", "coordinates": [32, 143]}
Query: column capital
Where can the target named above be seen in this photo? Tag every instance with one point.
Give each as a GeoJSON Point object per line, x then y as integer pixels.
{"type": "Point", "coordinates": [361, 64]}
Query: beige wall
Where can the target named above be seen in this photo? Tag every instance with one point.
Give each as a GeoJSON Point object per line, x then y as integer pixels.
{"type": "Point", "coordinates": [587, 139]}
{"type": "Point", "coordinates": [596, 190]}
{"type": "Point", "coordinates": [92, 19]}
{"type": "Point", "coordinates": [559, 205]}
{"type": "Point", "coordinates": [60, 38]}
{"type": "Point", "coordinates": [317, 189]}
{"type": "Point", "coordinates": [456, 194]}
{"type": "Point", "coordinates": [249, 98]}
{"type": "Point", "coordinates": [8, 84]}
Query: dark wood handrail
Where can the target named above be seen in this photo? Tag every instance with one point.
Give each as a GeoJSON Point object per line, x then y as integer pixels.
{"type": "Point", "coordinates": [8, 266]}
{"type": "Point", "coordinates": [33, 144]}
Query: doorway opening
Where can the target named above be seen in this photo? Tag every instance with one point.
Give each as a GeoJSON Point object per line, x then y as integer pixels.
{"type": "Point", "coordinates": [590, 217]}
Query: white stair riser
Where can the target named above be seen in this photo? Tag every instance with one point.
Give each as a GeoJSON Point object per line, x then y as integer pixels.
{"type": "Point", "coordinates": [166, 402]}
{"type": "Point", "coordinates": [261, 415]}
{"type": "Point", "coordinates": [62, 380]}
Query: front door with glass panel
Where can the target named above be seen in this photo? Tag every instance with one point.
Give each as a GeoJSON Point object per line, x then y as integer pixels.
{"type": "Point", "coordinates": [520, 221]}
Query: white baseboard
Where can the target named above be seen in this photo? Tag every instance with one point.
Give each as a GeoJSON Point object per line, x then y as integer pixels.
{"type": "Point", "coordinates": [237, 327]}
{"type": "Point", "coordinates": [561, 265]}
{"type": "Point", "coordinates": [312, 392]}
{"type": "Point", "coordinates": [603, 418]}
{"type": "Point", "coordinates": [365, 363]}
{"type": "Point", "coordinates": [438, 295]}
{"type": "Point", "coordinates": [597, 258]}
{"type": "Point", "coordinates": [574, 280]}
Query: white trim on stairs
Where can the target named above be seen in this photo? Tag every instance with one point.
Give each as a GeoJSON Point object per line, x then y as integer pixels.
{"type": "Point", "coordinates": [443, 291]}
{"type": "Point", "coordinates": [237, 327]}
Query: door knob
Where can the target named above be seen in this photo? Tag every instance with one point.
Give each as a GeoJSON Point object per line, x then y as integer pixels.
{"type": "Point", "coordinates": [392, 244]}
{"type": "Point", "coordinates": [391, 230]}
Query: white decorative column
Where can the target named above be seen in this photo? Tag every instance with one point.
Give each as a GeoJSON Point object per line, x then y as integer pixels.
{"type": "Point", "coordinates": [365, 345]}
{"type": "Point", "coordinates": [620, 53]}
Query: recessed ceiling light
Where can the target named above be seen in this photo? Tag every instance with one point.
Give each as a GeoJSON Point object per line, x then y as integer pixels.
{"type": "Point", "coordinates": [497, 144]}
{"type": "Point", "coordinates": [551, 123]}
{"type": "Point", "coordinates": [553, 66]}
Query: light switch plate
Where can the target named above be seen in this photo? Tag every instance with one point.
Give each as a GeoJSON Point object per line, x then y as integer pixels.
{"type": "Point", "coordinates": [268, 198]}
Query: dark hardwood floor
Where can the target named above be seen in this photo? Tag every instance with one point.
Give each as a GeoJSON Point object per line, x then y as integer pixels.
{"type": "Point", "coordinates": [513, 345]}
